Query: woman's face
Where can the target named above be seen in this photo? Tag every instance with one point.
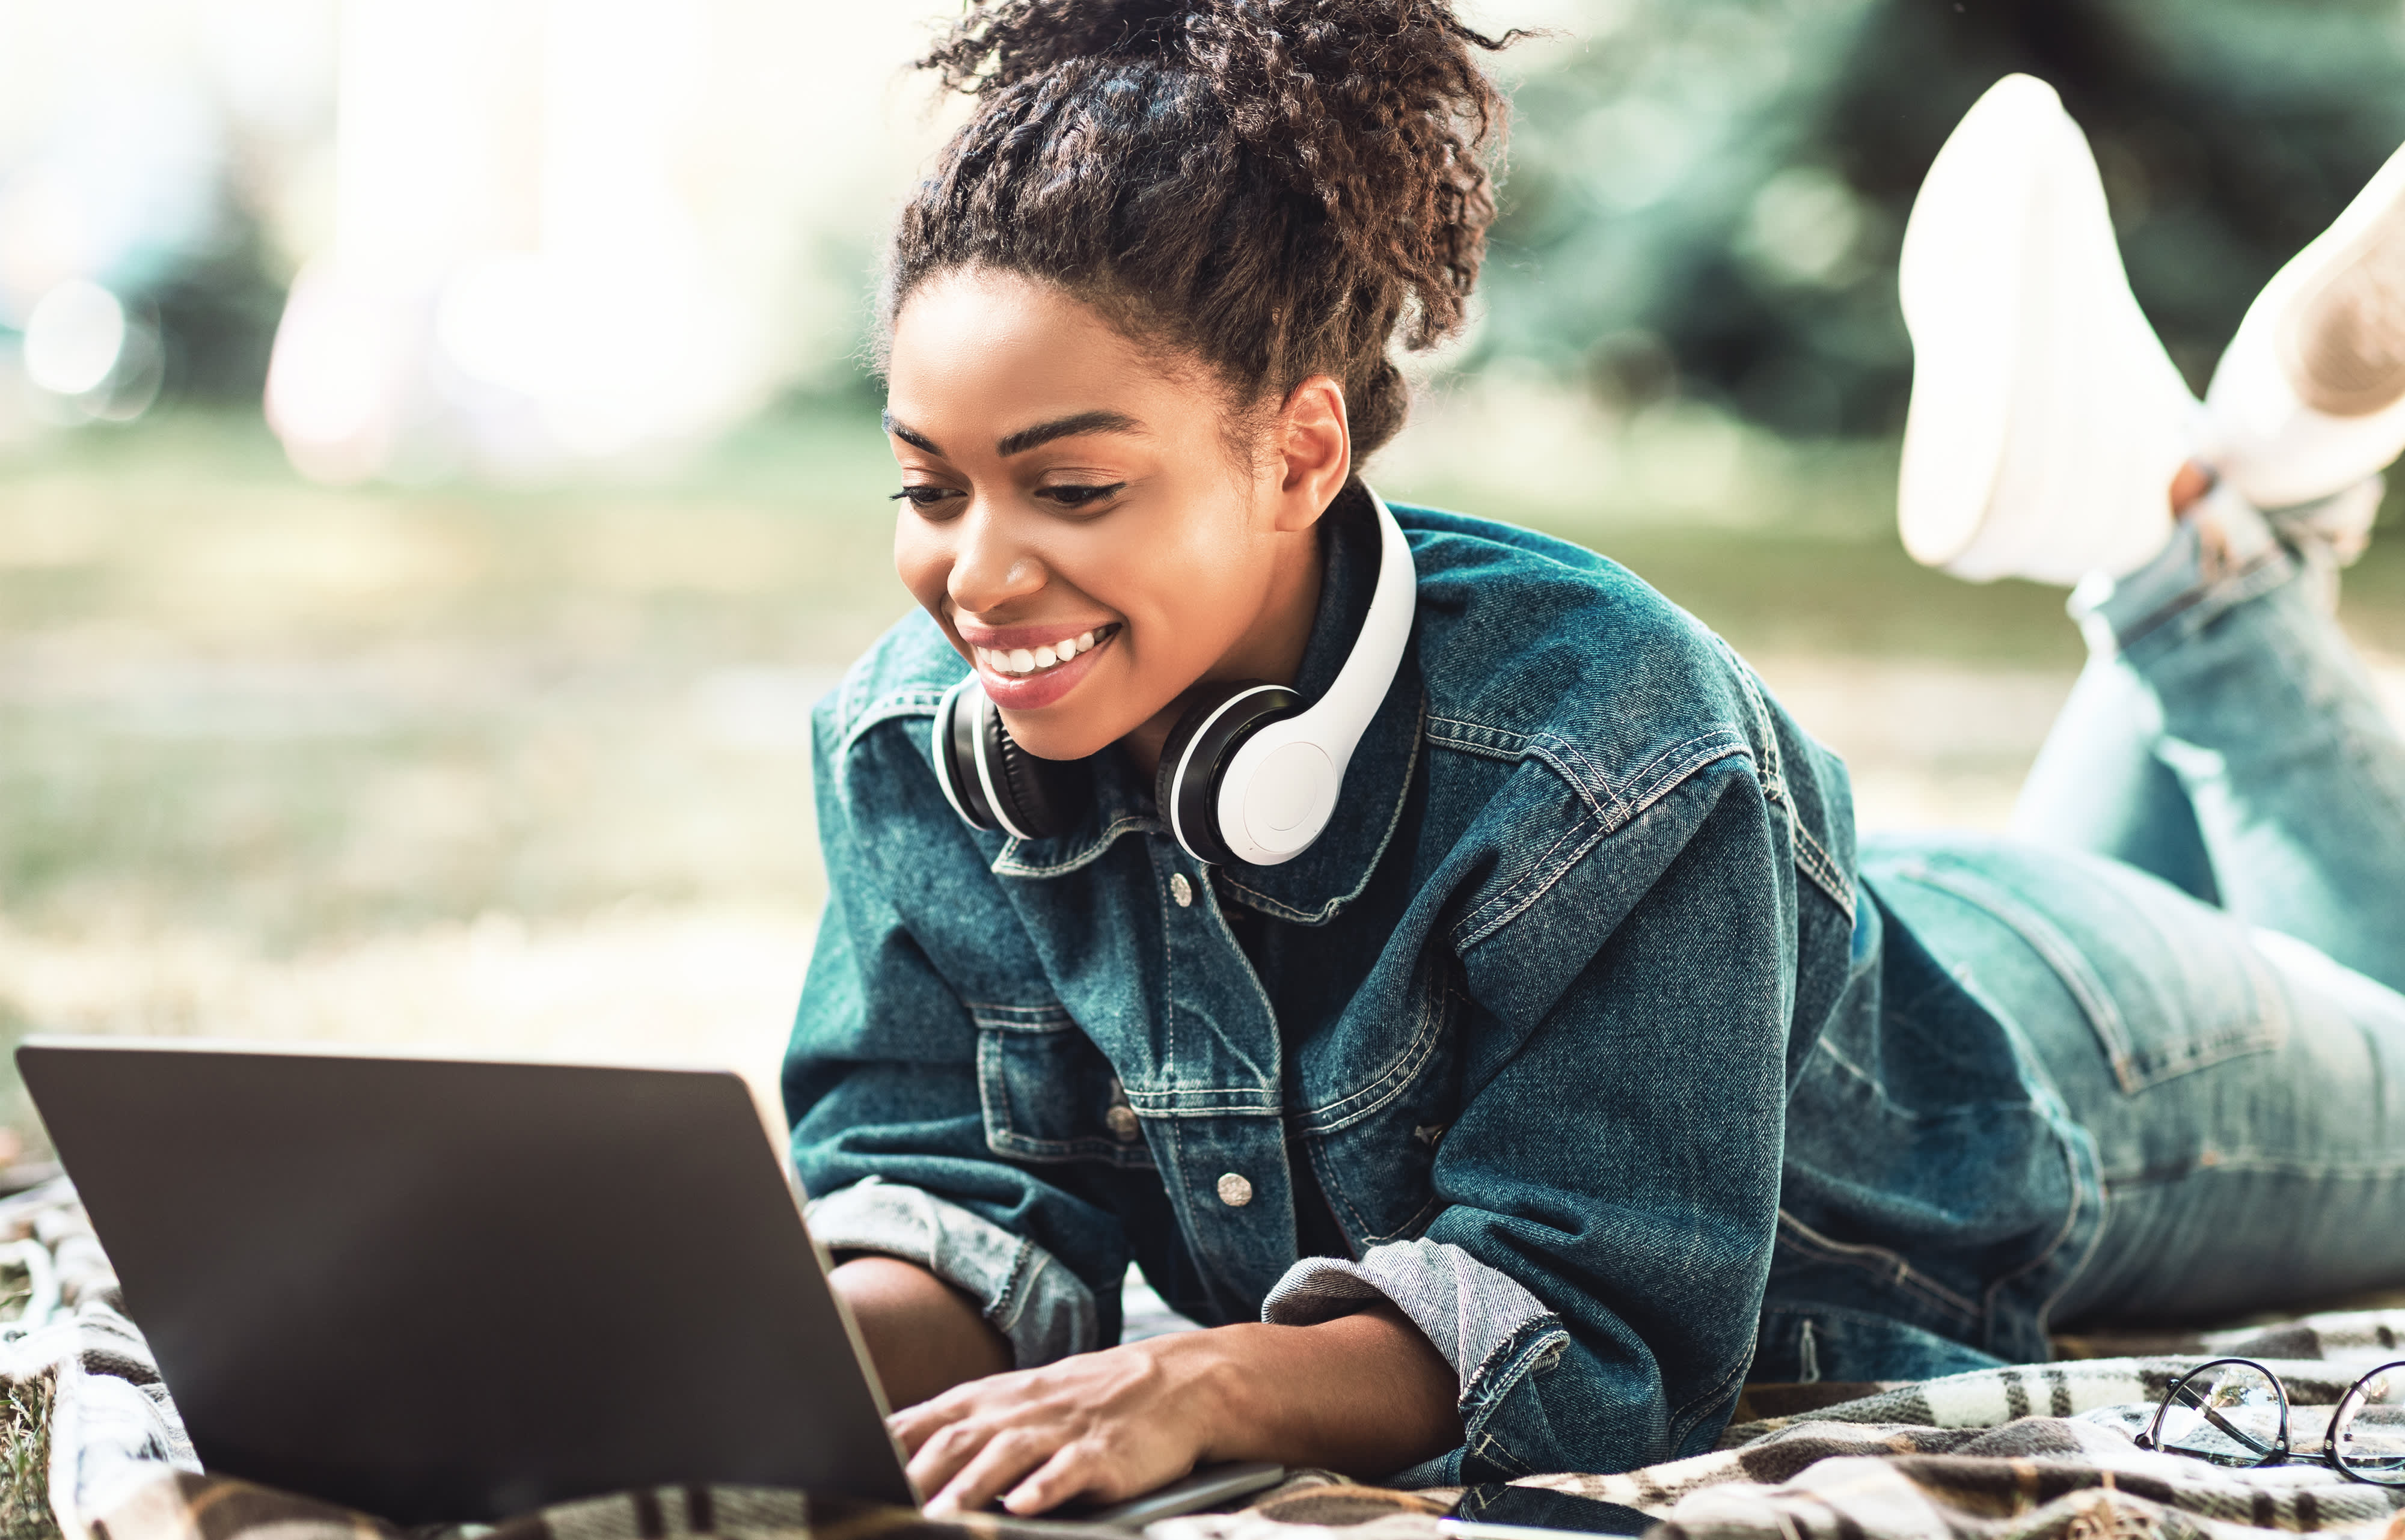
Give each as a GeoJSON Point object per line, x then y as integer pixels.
{"type": "Point", "coordinates": [1073, 516]}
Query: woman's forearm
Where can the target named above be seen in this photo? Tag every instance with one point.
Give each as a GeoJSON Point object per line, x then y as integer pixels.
{"type": "Point", "coordinates": [923, 1335]}
{"type": "Point", "coordinates": [1364, 1393]}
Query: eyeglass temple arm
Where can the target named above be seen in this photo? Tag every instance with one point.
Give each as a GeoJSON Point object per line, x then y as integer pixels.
{"type": "Point", "coordinates": [2214, 1416]}
{"type": "Point", "coordinates": [2233, 1431]}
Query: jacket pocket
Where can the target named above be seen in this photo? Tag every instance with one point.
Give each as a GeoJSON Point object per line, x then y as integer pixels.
{"type": "Point", "coordinates": [1047, 1092]}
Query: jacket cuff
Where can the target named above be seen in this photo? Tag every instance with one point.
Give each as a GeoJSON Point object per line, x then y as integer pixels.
{"type": "Point", "coordinates": [1044, 1310]}
{"type": "Point", "coordinates": [1473, 1315]}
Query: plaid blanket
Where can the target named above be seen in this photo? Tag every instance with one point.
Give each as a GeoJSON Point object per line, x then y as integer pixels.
{"type": "Point", "coordinates": [2042, 1452]}
{"type": "Point", "coordinates": [91, 1448]}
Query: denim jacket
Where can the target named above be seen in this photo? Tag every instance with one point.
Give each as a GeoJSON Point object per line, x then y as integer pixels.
{"type": "Point", "coordinates": [1566, 1037]}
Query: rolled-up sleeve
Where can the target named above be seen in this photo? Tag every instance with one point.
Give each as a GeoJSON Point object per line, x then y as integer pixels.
{"type": "Point", "coordinates": [880, 1078]}
{"type": "Point", "coordinates": [1044, 1310]}
{"type": "Point", "coordinates": [1468, 1310]}
{"type": "Point", "coordinates": [1611, 1183]}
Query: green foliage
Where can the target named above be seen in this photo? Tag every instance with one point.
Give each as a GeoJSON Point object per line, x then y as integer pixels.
{"type": "Point", "coordinates": [25, 1461]}
{"type": "Point", "coordinates": [1708, 195]}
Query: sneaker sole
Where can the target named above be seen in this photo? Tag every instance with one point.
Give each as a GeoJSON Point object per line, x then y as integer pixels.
{"type": "Point", "coordinates": [2310, 396]}
{"type": "Point", "coordinates": [2342, 345]}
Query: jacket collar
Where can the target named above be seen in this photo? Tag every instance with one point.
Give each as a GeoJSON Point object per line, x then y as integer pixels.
{"type": "Point", "coordinates": [1316, 886]}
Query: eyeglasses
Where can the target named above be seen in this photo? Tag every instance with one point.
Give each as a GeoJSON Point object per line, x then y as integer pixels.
{"type": "Point", "coordinates": [2233, 1411]}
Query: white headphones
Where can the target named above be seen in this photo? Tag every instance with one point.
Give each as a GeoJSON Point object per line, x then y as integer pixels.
{"type": "Point", "coordinates": [1247, 774]}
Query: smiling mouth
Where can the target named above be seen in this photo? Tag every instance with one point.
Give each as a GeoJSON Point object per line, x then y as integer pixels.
{"type": "Point", "coordinates": [1025, 661]}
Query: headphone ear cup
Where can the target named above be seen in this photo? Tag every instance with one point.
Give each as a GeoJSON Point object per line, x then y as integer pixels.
{"type": "Point", "coordinates": [1033, 798]}
{"type": "Point", "coordinates": [952, 746]}
{"type": "Point", "coordinates": [1185, 788]}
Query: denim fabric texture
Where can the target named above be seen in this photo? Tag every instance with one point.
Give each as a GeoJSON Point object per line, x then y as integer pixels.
{"type": "Point", "coordinates": [2194, 941]}
{"type": "Point", "coordinates": [1021, 1287]}
{"type": "Point", "coordinates": [1582, 967]}
{"type": "Point", "coordinates": [1584, 1037]}
{"type": "Point", "coordinates": [2236, 1066]}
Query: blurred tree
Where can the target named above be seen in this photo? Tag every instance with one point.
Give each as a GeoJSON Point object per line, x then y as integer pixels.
{"type": "Point", "coordinates": [216, 304]}
{"type": "Point", "coordinates": [1709, 198]}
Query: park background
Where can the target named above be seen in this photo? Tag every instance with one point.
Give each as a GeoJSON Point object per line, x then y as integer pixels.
{"type": "Point", "coordinates": [439, 468]}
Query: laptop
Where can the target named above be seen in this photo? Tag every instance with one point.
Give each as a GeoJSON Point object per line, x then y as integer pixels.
{"type": "Point", "coordinates": [440, 1289]}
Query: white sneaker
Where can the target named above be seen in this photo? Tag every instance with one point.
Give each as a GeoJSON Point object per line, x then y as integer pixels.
{"type": "Point", "coordinates": [2310, 398]}
{"type": "Point", "coordinates": [2046, 420]}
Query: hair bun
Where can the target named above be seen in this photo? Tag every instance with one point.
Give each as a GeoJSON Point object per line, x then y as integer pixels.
{"type": "Point", "coordinates": [1352, 135]}
{"type": "Point", "coordinates": [1000, 44]}
{"type": "Point", "coordinates": [1334, 90]}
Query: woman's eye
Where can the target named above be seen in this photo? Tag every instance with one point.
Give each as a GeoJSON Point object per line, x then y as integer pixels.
{"type": "Point", "coordinates": [1079, 496]}
{"type": "Point", "coordinates": [924, 497]}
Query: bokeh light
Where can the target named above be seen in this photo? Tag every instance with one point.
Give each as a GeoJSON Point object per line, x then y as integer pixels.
{"type": "Point", "coordinates": [74, 338]}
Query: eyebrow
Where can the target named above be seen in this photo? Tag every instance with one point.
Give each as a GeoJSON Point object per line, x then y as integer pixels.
{"type": "Point", "coordinates": [1065, 428]}
{"type": "Point", "coordinates": [1027, 438]}
{"type": "Point", "coordinates": [909, 435]}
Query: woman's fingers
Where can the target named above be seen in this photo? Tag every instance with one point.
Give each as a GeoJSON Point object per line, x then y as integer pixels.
{"type": "Point", "coordinates": [996, 1467]}
{"type": "Point", "coordinates": [913, 1427]}
{"type": "Point", "coordinates": [944, 1451]}
{"type": "Point", "coordinates": [1074, 1470]}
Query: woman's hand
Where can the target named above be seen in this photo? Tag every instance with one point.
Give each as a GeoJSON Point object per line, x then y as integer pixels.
{"type": "Point", "coordinates": [1365, 1395]}
{"type": "Point", "coordinates": [1102, 1425]}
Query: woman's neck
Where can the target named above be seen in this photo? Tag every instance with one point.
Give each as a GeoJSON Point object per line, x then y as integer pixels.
{"type": "Point", "coordinates": [1270, 651]}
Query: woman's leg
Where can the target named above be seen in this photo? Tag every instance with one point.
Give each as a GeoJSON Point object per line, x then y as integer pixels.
{"type": "Point", "coordinates": [2238, 1072]}
{"type": "Point", "coordinates": [2237, 1098]}
{"type": "Point", "coordinates": [2265, 1181]}
{"type": "Point", "coordinates": [2233, 1077]}
{"type": "Point", "coordinates": [2101, 783]}
{"type": "Point", "coordinates": [2259, 707]}
{"type": "Point", "coordinates": [2097, 786]}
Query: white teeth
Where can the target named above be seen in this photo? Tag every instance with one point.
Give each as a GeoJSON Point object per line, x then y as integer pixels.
{"type": "Point", "coordinates": [1020, 660]}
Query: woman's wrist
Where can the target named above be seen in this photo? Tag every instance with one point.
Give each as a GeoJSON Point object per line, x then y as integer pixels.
{"type": "Point", "coordinates": [1214, 1372]}
{"type": "Point", "coordinates": [1366, 1394]}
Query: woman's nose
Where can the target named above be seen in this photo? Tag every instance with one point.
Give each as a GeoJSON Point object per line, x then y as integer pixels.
{"type": "Point", "coordinates": [990, 567]}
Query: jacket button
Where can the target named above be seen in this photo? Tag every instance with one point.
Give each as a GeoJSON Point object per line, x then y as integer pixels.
{"type": "Point", "coordinates": [1234, 1190]}
{"type": "Point", "coordinates": [1123, 1123]}
{"type": "Point", "coordinates": [1181, 889]}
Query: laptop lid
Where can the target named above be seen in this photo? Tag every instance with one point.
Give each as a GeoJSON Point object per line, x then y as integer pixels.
{"type": "Point", "coordinates": [439, 1289]}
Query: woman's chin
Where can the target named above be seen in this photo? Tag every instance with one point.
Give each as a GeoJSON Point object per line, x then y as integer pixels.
{"type": "Point", "coordinates": [1061, 733]}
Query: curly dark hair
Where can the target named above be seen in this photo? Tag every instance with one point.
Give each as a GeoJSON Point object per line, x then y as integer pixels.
{"type": "Point", "coordinates": [1280, 188]}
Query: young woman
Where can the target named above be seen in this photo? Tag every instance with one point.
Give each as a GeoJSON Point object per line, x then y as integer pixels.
{"type": "Point", "coordinates": [1579, 1066]}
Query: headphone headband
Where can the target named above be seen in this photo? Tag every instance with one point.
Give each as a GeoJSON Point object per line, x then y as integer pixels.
{"type": "Point", "coordinates": [1280, 789]}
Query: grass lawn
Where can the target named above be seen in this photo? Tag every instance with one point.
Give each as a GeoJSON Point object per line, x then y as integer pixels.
{"type": "Point", "coordinates": [526, 768]}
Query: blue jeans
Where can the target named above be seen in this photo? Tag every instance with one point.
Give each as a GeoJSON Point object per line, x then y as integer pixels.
{"type": "Point", "coordinates": [2197, 936]}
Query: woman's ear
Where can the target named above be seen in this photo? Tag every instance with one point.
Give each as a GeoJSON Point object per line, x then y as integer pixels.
{"type": "Point", "coordinates": [1314, 449]}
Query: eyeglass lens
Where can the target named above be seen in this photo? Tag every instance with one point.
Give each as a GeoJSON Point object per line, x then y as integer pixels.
{"type": "Point", "coordinates": [2231, 1413]}
{"type": "Point", "coordinates": [2369, 1437]}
